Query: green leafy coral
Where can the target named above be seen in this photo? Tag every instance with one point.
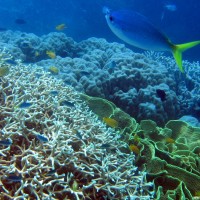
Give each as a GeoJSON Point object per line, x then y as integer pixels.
{"type": "Point", "coordinates": [169, 155]}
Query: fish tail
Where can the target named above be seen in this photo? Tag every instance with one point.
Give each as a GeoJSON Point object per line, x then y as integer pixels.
{"type": "Point", "coordinates": [179, 49]}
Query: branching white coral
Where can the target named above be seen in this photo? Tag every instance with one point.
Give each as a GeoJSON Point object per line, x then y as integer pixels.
{"type": "Point", "coordinates": [56, 149]}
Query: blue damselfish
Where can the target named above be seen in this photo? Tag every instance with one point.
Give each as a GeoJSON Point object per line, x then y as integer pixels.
{"type": "Point", "coordinates": [135, 29]}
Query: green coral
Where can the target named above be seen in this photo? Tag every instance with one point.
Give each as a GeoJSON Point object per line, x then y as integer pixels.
{"type": "Point", "coordinates": [181, 159]}
{"type": "Point", "coordinates": [169, 155]}
{"type": "Point", "coordinates": [4, 70]}
{"type": "Point", "coordinates": [104, 108]}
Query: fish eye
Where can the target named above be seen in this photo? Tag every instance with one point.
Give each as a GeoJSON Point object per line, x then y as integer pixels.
{"type": "Point", "coordinates": [111, 18]}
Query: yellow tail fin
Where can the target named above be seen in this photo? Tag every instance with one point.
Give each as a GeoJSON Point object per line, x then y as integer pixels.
{"type": "Point", "coordinates": [179, 49]}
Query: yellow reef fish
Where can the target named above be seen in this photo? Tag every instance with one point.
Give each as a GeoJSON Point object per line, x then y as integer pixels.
{"type": "Point", "coordinates": [110, 122]}
{"type": "Point", "coordinates": [197, 194]}
{"type": "Point", "coordinates": [136, 138]}
{"type": "Point", "coordinates": [51, 54]}
{"type": "Point", "coordinates": [4, 70]}
{"type": "Point", "coordinates": [53, 70]}
{"type": "Point", "coordinates": [134, 149]}
{"type": "Point", "coordinates": [37, 54]}
{"type": "Point", "coordinates": [60, 27]}
{"type": "Point", "coordinates": [169, 140]}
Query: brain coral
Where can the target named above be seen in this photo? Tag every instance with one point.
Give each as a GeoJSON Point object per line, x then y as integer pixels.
{"type": "Point", "coordinates": [53, 147]}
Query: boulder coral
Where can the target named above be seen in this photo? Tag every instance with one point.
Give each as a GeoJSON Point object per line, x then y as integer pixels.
{"type": "Point", "coordinates": [112, 71]}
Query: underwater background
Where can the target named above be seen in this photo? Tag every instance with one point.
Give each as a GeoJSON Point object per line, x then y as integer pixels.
{"type": "Point", "coordinates": [85, 19]}
{"type": "Point", "coordinates": [85, 116]}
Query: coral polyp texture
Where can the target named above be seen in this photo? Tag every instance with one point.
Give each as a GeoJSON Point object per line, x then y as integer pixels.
{"type": "Point", "coordinates": [53, 147]}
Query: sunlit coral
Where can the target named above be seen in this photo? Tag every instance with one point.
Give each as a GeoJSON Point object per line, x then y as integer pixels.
{"type": "Point", "coordinates": [56, 151]}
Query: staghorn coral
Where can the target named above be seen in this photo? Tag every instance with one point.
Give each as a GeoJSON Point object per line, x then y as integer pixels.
{"type": "Point", "coordinates": [56, 150]}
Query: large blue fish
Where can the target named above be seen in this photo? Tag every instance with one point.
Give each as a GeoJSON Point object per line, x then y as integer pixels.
{"type": "Point", "coordinates": [136, 30]}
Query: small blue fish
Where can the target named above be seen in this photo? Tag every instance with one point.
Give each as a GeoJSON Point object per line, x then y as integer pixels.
{"type": "Point", "coordinates": [42, 138]}
{"type": "Point", "coordinates": [51, 172]}
{"type": "Point", "coordinates": [38, 75]}
{"type": "Point", "coordinates": [135, 29]}
{"type": "Point", "coordinates": [66, 103]}
{"type": "Point", "coordinates": [170, 7]}
{"type": "Point", "coordinates": [6, 142]}
{"type": "Point", "coordinates": [111, 64]}
{"type": "Point", "coordinates": [105, 146]}
{"type": "Point", "coordinates": [78, 134]}
{"type": "Point", "coordinates": [54, 93]}
{"type": "Point", "coordinates": [161, 94]}
{"type": "Point", "coordinates": [84, 73]}
{"type": "Point", "coordinates": [11, 62]}
{"type": "Point", "coordinates": [24, 105]}
{"type": "Point", "coordinates": [13, 178]}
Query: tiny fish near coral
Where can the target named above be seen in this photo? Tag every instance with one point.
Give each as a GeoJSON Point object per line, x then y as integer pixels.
{"type": "Point", "coordinates": [42, 138]}
{"type": "Point", "coordinates": [20, 21]}
{"type": "Point", "coordinates": [13, 178]}
{"type": "Point", "coordinates": [61, 27]}
{"type": "Point", "coordinates": [161, 94]}
{"type": "Point", "coordinates": [134, 149]}
{"type": "Point", "coordinates": [169, 140]}
{"type": "Point", "coordinates": [11, 62]}
{"type": "Point", "coordinates": [54, 70]}
{"type": "Point", "coordinates": [54, 93]}
{"type": "Point", "coordinates": [66, 103]}
{"type": "Point", "coordinates": [6, 142]}
{"type": "Point", "coordinates": [111, 122]}
{"type": "Point", "coordinates": [24, 105]}
{"type": "Point", "coordinates": [78, 133]}
{"type": "Point", "coordinates": [4, 70]}
{"type": "Point", "coordinates": [51, 54]}
{"type": "Point", "coordinates": [105, 146]}
{"type": "Point", "coordinates": [51, 172]}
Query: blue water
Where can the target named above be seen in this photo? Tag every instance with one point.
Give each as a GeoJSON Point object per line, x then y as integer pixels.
{"type": "Point", "coordinates": [84, 18]}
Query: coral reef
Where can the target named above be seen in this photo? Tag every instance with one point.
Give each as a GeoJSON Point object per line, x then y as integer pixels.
{"type": "Point", "coordinates": [31, 48]}
{"type": "Point", "coordinates": [130, 80]}
{"type": "Point", "coordinates": [176, 156]}
{"type": "Point", "coordinates": [53, 147]}
{"type": "Point", "coordinates": [131, 83]}
{"type": "Point", "coordinates": [112, 71]}
{"type": "Point", "coordinates": [169, 155]}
